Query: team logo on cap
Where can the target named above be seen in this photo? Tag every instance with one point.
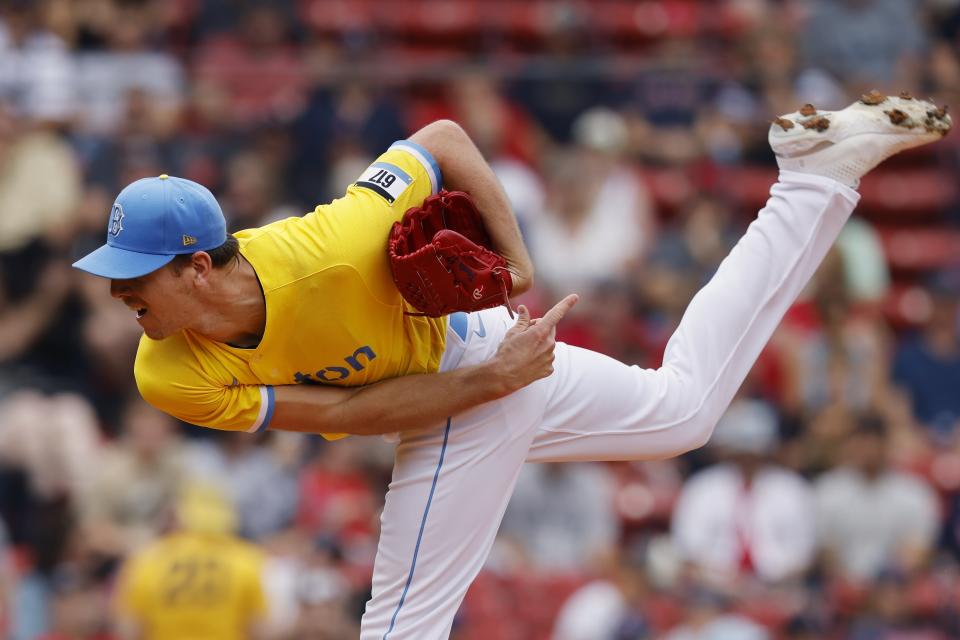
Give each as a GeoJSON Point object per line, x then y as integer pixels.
{"type": "Point", "coordinates": [116, 220]}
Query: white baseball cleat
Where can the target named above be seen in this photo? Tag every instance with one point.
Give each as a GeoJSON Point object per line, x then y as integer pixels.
{"type": "Point", "coordinates": [846, 144]}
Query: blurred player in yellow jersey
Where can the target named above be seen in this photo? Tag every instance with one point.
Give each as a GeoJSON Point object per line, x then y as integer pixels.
{"type": "Point", "coordinates": [198, 583]}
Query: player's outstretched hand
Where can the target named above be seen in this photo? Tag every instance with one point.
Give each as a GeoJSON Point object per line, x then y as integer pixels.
{"type": "Point", "coordinates": [526, 353]}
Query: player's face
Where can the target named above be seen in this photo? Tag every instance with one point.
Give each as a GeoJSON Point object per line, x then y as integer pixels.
{"type": "Point", "coordinates": [160, 300]}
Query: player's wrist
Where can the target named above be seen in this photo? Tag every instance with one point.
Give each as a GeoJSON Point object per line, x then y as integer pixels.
{"type": "Point", "coordinates": [521, 272]}
{"type": "Point", "coordinates": [495, 379]}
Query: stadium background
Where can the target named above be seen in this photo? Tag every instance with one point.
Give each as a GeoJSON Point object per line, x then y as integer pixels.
{"type": "Point", "coordinates": [631, 139]}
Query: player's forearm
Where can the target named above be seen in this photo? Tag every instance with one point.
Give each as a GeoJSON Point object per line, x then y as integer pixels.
{"type": "Point", "coordinates": [419, 401]}
{"type": "Point", "coordinates": [398, 404]}
{"type": "Point", "coordinates": [464, 169]}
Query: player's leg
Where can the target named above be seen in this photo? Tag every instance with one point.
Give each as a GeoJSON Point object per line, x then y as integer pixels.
{"type": "Point", "coordinates": [603, 409]}
{"type": "Point", "coordinates": [606, 410]}
{"type": "Point", "coordinates": [447, 496]}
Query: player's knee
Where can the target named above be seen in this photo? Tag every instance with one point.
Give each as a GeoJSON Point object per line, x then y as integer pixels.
{"type": "Point", "coordinates": [700, 435]}
{"type": "Point", "coordinates": [698, 428]}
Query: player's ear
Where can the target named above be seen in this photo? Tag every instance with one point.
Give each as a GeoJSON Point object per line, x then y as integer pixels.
{"type": "Point", "coordinates": [202, 264]}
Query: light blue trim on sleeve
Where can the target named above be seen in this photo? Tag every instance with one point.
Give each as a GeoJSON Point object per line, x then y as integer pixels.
{"type": "Point", "coordinates": [425, 159]}
{"type": "Point", "coordinates": [271, 404]}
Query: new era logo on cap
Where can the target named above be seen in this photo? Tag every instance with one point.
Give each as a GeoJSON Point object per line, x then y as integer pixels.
{"type": "Point", "coordinates": [153, 220]}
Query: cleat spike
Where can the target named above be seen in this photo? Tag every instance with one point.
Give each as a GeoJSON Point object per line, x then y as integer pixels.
{"type": "Point", "coordinates": [900, 118]}
{"type": "Point", "coordinates": [820, 123]}
{"type": "Point", "coordinates": [873, 98]}
{"type": "Point", "coordinates": [784, 123]}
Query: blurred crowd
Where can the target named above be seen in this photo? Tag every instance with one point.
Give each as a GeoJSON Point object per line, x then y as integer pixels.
{"type": "Point", "coordinates": [631, 139]}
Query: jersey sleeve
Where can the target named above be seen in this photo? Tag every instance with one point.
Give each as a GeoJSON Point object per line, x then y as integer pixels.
{"type": "Point", "coordinates": [167, 381]}
{"type": "Point", "coordinates": [353, 230]}
{"type": "Point", "coordinates": [401, 177]}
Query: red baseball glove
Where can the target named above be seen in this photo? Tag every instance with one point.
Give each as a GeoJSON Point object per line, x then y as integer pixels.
{"type": "Point", "coordinates": [441, 257]}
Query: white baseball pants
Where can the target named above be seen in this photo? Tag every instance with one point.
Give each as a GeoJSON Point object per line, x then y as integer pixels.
{"type": "Point", "coordinates": [451, 484]}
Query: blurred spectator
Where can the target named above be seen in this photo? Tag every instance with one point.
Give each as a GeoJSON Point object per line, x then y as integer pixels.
{"type": "Point", "coordinates": [216, 17]}
{"type": "Point", "coordinates": [79, 611]}
{"type": "Point", "coordinates": [598, 219]}
{"type": "Point", "coordinates": [943, 75]}
{"type": "Point", "coordinates": [771, 82]}
{"type": "Point", "coordinates": [524, 188]}
{"type": "Point", "coordinates": [745, 515]}
{"type": "Point", "coordinates": [36, 71]}
{"type": "Point", "coordinates": [39, 180]}
{"type": "Point", "coordinates": [39, 184]}
{"type": "Point", "coordinates": [342, 125]}
{"type": "Point", "coordinates": [258, 480]}
{"type": "Point", "coordinates": [865, 269]}
{"type": "Point", "coordinates": [709, 618]}
{"type": "Point", "coordinates": [667, 99]}
{"type": "Point", "coordinates": [340, 497]}
{"type": "Point", "coordinates": [128, 64]}
{"type": "Point", "coordinates": [698, 238]}
{"type": "Point", "coordinates": [129, 501]}
{"type": "Point", "coordinates": [506, 135]}
{"type": "Point", "coordinates": [255, 71]}
{"type": "Point", "coordinates": [199, 581]}
{"type": "Point", "coordinates": [567, 77]}
{"type": "Point", "coordinates": [30, 320]}
{"type": "Point", "coordinates": [592, 613]}
{"type": "Point", "coordinates": [51, 541]}
{"type": "Point", "coordinates": [927, 366]}
{"type": "Point", "coordinates": [870, 516]}
{"type": "Point", "coordinates": [141, 145]}
{"type": "Point", "coordinates": [894, 611]}
{"type": "Point", "coordinates": [251, 192]}
{"type": "Point", "coordinates": [608, 322]}
{"type": "Point", "coordinates": [500, 128]}
{"type": "Point", "coordinates": [616, 606]}
{"type": "Point", "coordinates": [646, 493]}
{"type": "Point", "coordinates": [52, 439]}
{"type": "Point", "coordinates": [561, 515]}
{"type": "Point", "coordinates": [865, 42]}
{"type": "Point", "coordinates": [7, 580]}
{"type": "Point", "coordinates": [324, 599]}
{"type": "Point", "coordinates": [842, 359]}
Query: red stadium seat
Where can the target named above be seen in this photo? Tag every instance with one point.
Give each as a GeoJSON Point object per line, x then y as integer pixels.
{"type": "Point", "coordinates": [920, 249]}
{"type": "Point", "coordinates": [612, 19]}
{"type": "Point", "coordinates": [913, 191]}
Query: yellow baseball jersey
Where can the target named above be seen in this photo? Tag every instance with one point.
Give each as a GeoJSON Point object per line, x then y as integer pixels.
{"type": "Point", "coordinates": [194, 586]}
{"type": "Point", "coordinates": [334, 315]}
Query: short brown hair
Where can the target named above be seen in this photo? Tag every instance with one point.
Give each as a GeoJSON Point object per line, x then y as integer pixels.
{"type": "Point", "coordinates": [219, 256]}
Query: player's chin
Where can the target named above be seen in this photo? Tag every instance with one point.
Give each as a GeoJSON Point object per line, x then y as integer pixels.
{"type": "Point", "coordinates": [154, 333]}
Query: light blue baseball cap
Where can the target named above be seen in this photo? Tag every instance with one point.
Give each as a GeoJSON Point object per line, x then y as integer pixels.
{"type": "Point", "coordinates": [152, 221]}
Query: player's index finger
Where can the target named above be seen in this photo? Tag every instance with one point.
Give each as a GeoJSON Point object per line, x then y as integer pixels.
{"type": "Point", "coordinates": [552, 317]}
